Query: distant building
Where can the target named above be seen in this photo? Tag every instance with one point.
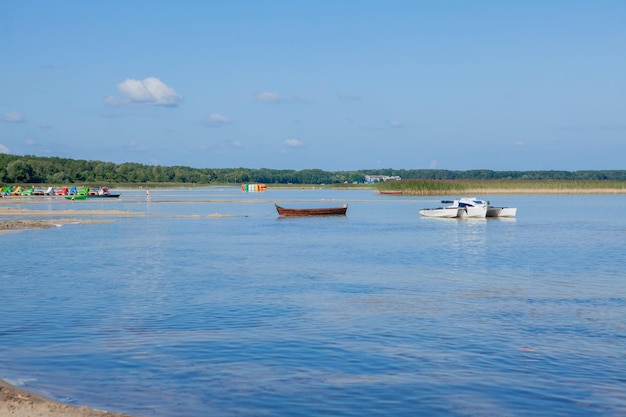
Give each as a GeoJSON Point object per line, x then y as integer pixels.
{"type": "Point", "coordinates": [381, 178]}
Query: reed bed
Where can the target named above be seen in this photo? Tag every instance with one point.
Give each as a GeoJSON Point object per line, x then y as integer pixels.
{"type": "Point", "coordinates": [467, 187]}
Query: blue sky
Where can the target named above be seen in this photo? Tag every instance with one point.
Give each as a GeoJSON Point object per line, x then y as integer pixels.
{"type": "Point", "coordinates": [334, 85]}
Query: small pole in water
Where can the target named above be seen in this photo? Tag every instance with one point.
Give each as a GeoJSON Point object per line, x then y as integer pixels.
{"type": "Point", "coordinates": [148, 196]}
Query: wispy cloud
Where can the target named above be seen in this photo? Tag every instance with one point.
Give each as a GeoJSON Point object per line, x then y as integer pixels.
{"type": "Point", "coordinates": [348, 97]}
{"type": "Point", "coordinates": [395, 124]}
{"type": "Point", "coordinates": [294, 143]}
{"type": "Point", "coordinates": [216, 120]}
{"type": "Point", "coordinates": [133, 145]}
{"type": "Point", "coordinates": [269, 97]}
{"type": "Point", "coordinates": [300, 99]}
{"type": "Point", "coordinates": [149, 91]}
{"type": "Point", "coordinates": [13, 117]}
{"type": "Point", "coordinates": [4, 149]}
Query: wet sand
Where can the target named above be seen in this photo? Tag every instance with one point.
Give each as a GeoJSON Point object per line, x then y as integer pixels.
{"type": "Point", "coordinates": [11, 225]}
{"type": "Point", "coordinates": [16, 402]}
{"type": "Point", "coordinates": [12, 219]}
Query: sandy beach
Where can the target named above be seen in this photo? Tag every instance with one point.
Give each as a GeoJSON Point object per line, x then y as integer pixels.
{"type": "Point", "coordinates": [16, 402]}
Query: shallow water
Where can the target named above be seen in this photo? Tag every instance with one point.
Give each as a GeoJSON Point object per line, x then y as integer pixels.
{"type": "Point", "coordinates": [211, 305]}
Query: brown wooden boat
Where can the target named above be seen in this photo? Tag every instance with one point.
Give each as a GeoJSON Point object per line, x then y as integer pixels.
{"type": "Point", "coordinates": [392, 192]}
{"type": "Point", "coordinates": [304, 212]}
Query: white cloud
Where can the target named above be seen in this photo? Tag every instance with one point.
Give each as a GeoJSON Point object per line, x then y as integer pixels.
{"type": "Point", "coordinates": [4, 149]}
{"type": "Point", "coordinates": [294, 143]}
{"type": "Point", "coordinates": [30, 142]}
{"type": "Point", "coordinates": [13, 117]}
{"type": "Point", "coordinates": [216, 120]}
{"type": "Point", "coordinates": [433, 164]}
{"type": "Point", "coordinates": [236, 144]}
{"type": "Point", "coordinates": [269, 97]}
{"type": "Point", "coordinates": [395, 123]}
{"type": "Point", "coordinates": [150, 91]}
{"type": "Point", "coordinates": [519, 143]}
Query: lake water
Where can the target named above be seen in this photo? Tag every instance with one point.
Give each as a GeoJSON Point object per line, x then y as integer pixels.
{"type": "Point", "coordinates": [211, 305]}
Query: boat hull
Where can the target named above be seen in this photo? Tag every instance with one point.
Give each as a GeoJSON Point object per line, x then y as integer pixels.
{"type": "Point", "coordinates": [473, 212]}
{"type": "Point", "coordinates": [501, 211]}
{"type": "Point", "coordinates": [442, 212]}
{"type": "Point", "coordinates": [328, 211]}
{"type": "Point", "coordinates": [103, 195]}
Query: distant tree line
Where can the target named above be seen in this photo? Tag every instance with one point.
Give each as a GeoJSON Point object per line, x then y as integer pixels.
{"type": "Point", "coordinates": [16, 169]}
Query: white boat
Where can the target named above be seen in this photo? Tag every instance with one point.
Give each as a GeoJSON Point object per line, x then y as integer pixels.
{"type": "Point", "coordinates": [461, 208]}
{"type": "Point", "coordinates": [443, 212]}
{"type": "Point", "coordinates": [491, 211]}
{"type": "Point", "coordinates": [469, 207]}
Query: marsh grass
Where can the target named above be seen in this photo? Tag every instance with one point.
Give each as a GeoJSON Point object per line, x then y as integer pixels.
{"type": "Point", "coordinates": [439, 187]}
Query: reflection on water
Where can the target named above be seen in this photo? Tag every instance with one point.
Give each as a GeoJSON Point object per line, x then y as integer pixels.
{"type": "Point", "coordinates": [380, 312]}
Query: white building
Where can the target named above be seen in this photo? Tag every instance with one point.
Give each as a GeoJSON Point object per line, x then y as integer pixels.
{"type": "Point", "coordinates": [381, 178]}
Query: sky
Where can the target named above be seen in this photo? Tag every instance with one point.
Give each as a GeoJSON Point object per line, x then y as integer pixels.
{"type": "Point", "coordinates": [326, 84]}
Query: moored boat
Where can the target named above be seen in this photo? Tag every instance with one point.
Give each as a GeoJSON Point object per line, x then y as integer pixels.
{"type": "Point", "coordinates": [28, 191]}
{"type": "Point", "coordinates": [103, 192]}
{"type": "Point", "coordinates": [469, 207]}
{"type": "Point", "coordinates": [461, 208]}
{"type": "Point", "coordinates": [442, 212]}
{"type": "Point", "coordinates": [103, 195]}
{"type": "Point", "coordinates": [306, 212]}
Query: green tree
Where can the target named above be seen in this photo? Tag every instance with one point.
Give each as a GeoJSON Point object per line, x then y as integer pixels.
{"type": "Point", "coordinates": [19, 171]}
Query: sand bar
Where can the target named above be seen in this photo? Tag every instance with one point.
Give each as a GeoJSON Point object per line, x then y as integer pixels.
{"type": "Point", "coordinates": [12, 218]}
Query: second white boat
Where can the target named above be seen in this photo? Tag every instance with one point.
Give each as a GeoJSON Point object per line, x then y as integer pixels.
{"type": "Point", "coordinates": [468, 207]}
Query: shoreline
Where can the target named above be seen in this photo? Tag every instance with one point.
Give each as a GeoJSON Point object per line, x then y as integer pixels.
{"type": "Point", "coordinates": [18, 402]}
